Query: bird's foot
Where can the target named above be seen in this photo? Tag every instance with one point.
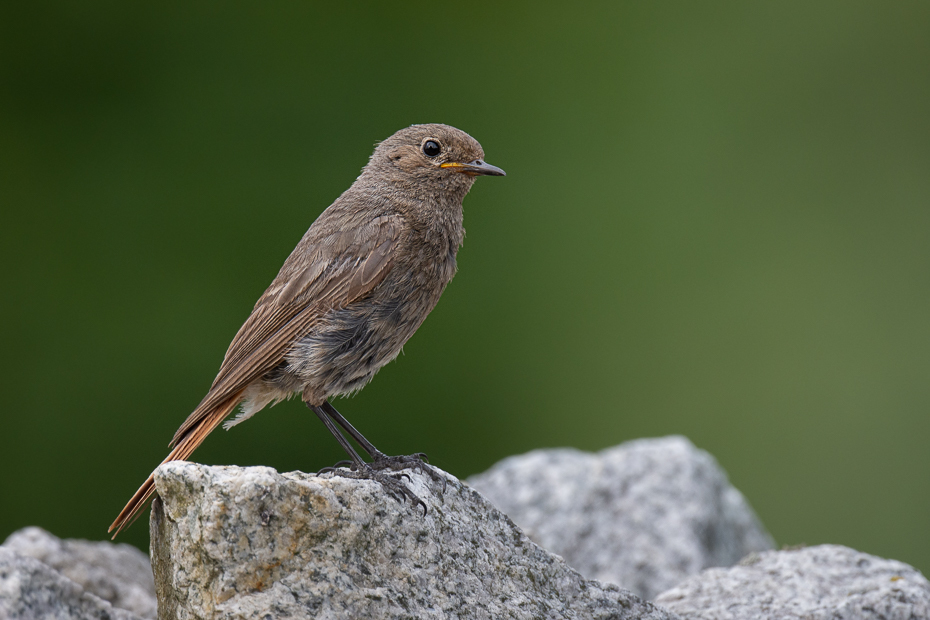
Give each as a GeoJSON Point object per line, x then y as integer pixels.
{"type": "Point", "coordinates": [417, 462]}
{"type": "Point", "coordinates": [388, 472]}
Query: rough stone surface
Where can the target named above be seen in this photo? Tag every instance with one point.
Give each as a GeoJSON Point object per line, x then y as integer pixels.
{"type": "Point", "coordinates": [232, 542]}
{"type": "Point", "coordinates": [118, 573]}
{"type": "Point", "coordinates": [644, 515]}
{"type": "Point", "coordinates": [31, 590]}
{"type": "Point", "coordinates": [824, 582]}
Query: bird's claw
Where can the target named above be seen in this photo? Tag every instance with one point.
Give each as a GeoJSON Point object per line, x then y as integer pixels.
{"type": "Point", "coordinates": [391, 482]}
{"type": "Point", "coordinates": [416, 462]}
{"type": "Point", "coordinates": [340, 465]}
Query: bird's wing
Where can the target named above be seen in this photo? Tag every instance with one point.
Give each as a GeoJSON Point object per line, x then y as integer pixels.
{"type": "Point", "coordinates": [331, 268]}
{"type": "Point", "coordinates": [327, 270]}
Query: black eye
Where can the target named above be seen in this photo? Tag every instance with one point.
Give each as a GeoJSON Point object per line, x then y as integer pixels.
{"type": "Point", "coordinates": [431, 148]}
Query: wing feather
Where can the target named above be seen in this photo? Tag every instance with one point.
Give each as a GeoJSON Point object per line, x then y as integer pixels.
{"type": "Point", "coordinates": [344, 265]}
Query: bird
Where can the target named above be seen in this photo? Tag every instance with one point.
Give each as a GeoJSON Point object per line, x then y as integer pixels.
{"type": "Point", "coordinates": [357, 286]}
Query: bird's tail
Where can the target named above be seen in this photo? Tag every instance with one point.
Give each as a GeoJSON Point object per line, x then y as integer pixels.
{"type": "Point", "coordinates": [183, 448]}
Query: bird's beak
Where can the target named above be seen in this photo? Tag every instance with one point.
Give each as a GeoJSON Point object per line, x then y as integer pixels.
{"type": "Point", "coordinates": [475, 168]}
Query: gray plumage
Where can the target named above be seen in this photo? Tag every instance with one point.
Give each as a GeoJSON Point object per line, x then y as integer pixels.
{"type": "Point", "coordinates": [354, 290]}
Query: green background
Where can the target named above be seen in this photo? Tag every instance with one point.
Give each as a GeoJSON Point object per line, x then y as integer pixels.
{"type": "Point", "coordinates": [716, 222]}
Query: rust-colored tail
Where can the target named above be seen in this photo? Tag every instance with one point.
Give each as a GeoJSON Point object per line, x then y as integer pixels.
{"type": "Point", "coordinates": [184, 447]}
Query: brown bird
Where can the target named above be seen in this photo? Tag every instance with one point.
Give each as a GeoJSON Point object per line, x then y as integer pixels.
{"type": "Point", "coordinates": [353, 291]}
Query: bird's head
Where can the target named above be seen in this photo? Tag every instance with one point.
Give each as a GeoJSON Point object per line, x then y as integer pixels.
{"type": "Point", "coordinates": [431, 155]}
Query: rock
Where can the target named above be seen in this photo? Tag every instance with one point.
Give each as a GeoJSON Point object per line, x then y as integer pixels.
{"type": "Point", "coordinates": [31, 590]}
{"type": "Point", "coordinates": [644, 515]}
{"type": "Point", "coordinates": [824, 582]}
{"type": "Point", "coordinates": [117, 573]}
{"type": "Point", "coordinates": [236, 542]}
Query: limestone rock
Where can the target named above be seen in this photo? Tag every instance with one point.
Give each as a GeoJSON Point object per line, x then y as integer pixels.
{"type": "Point", "coordinates": [824, 582]}
{"type": "Point", "coordinates": [117, 573]}
{"type": "Point", "coordinates": [31, 590]}
{"type": "Point", "coordinates": [249, 542]}
{"type": "Point", "coordinates": [644, 515]}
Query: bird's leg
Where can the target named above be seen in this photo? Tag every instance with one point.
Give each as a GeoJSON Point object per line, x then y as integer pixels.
{"type": "Point", "coordinates": [359, 469]}
{"type": "Point", "coordinates": [375, 454]}
{"type": "Point", "coordinates": [379, 460]}
{"type": "Point", "coordinates": [356, 463]}
{"type": "Point", "coordinates": [366, 445]}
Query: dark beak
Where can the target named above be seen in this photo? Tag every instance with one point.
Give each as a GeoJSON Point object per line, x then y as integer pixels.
{"type": "Point", "coordinates": [475, 168]}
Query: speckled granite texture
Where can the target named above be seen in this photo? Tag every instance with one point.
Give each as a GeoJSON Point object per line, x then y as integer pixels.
{"type": "Point", "coordinates": [827, 582]}
{"type": "Point", "coordinates": [644, 515]}
{"type": "Point", "coordinates": [31, 590]}
{"type": "Point", "coordinates": [231, 542]}
{"type": "Point", "coordinates": [118, 573]}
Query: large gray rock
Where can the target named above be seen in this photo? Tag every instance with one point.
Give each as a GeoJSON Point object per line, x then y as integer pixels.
{"type": "Point", "coordinates": [828, 582]}
{"type": "Point", "coordinates": [643, 515]}
{"type": "Point", "coordinates": [120, 574]}
{"type": "Point", "coordinates": [252, 543]}
{"type": "Point", "coordinates": [31, 590]}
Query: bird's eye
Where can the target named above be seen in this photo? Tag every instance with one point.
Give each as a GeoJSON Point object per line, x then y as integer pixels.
{"type": "Point", "coordinates": [431, 148]}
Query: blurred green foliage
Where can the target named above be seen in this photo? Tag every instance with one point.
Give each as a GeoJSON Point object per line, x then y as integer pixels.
{"type": "Point", "coordinates": [716, 222]}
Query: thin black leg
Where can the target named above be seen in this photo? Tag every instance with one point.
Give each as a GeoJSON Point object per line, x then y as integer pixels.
{"type": "Point", "coordinates": [356, 459]}
{"type": "Point", "coordinates": [366, 445]}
